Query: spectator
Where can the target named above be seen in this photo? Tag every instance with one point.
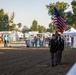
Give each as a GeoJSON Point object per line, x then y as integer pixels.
{"type": "Point", "coordinates": [6, 40]}
{"type": "Point", "coordinates": [72, 41]}
{"type": "Point", "coordinates": [41, 41]}
{"type": "Point", "coordinates": [68, 41]}
{"type": "Point", "coordinates": [35, 41]}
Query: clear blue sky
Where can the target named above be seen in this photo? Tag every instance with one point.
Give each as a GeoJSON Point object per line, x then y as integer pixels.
{"type": "Point", "coordinates": [28, 10]}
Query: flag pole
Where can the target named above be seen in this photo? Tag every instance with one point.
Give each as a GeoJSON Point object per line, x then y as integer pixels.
{"type": "Point", "coordinates": [56, 32]}
{"type": "Point", "coordinates": [55, 25]}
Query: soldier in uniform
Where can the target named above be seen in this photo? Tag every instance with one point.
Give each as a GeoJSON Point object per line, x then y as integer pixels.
{"type": "Point", "coordinates": [53, 50]}
{"type": "Point", "coordinates": [60, 48]}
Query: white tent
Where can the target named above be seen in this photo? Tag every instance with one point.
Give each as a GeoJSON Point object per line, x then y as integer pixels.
{"type": "Point", "coordinates": [71, 31]}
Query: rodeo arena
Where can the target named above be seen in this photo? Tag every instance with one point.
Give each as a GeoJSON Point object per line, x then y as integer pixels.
{"type": "Point", "coordinates": [28, 53]}
{"type": "Point", "coordinates": [34, 53]}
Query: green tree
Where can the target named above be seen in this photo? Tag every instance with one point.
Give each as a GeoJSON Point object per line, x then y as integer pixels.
{"type": "Point", "coordinates": [73, 3]}
{"type": "Point", "coordinates": [34, 26]}
{"type": "Point", "coordinates": [69, 18]}
{"type": "Point", "coordinates": [4, 21]}
{"type": "Point", "coordinates": [19, 25]}
{"type": "Point", "coordinates": [25, 29]}
{"type": "Point", "coordinates": [41, 29]}
{"type": "Point", "coordinates": [12, 25]}
{"type": "Point", "coordinates": [61, 6]}
{"type": "Point", "coordinates": [12, 16]}
{"type": "Point", "coordinates": [51, 27]}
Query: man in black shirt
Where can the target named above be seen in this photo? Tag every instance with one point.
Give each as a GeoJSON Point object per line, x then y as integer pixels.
{"type": "Point", "coordinates": [60, 48]}
{"type": "Point", "coordinates": [53, 50]}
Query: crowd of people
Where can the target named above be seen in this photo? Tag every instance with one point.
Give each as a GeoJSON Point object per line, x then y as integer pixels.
{"type": "Point", "coordinates": [68, 41]}
{"type": "Point", "coordinates": [41, 41]}
{"type": "Point", "coordinates": [4, 39]}
{"type": "Point", "coordinates": [36, 41]}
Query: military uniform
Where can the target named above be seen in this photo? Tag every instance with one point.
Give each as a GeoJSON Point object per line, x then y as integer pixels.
{"type": "Point", "coordinates": [53, 51]}
{"type": "Point", "coordinates": [60, 48]}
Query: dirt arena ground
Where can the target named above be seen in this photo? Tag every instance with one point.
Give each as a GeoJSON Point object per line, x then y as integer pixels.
{"type": "Point", "coordinates": [33, 61]}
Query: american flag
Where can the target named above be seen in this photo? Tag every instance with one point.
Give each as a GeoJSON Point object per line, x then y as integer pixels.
{"type": "Point", "coordinates": [59, 21]}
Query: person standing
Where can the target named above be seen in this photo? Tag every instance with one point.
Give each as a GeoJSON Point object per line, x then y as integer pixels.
{"type": "Point", "coordinates": [5, 40]}
{"type": "Point", "coordinates": [68, 41]}
{"type": "Point", "coordinates": [65, 41]}
{"type": "Point", "coordinates": [72, 41]}
{"type": "Point", "coordinates": [35, 41]}
{"type": "Point", "coordinates": [60, 48]}
{"type": "Point", "coordinates": [41, 41]}
{"type": "Point", "coordinates": [53, 50]}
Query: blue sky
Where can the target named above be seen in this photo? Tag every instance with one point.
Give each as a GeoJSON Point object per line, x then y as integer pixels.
{"type": "Point", "coordinates": [28, 10]}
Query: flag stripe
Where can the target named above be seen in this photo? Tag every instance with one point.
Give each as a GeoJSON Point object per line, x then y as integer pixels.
{"type": "Point", "coordinates": [59, 21]}
{"type": "Point", "coordinates": [62, 21]}
{"type": "Point", "coordinates": [60, 27]}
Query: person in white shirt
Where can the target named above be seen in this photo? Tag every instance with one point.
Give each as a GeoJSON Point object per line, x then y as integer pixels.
{"type": "Point", "coordinates": [68, 41]}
